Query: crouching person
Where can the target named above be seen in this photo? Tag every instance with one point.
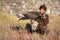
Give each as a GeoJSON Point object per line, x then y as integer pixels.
{"type": "Point", "coordinates": [42, 20]}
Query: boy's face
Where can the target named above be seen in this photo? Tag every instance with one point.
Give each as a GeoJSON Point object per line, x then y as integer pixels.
{"type": "Point", "coordinates": [42, 11]}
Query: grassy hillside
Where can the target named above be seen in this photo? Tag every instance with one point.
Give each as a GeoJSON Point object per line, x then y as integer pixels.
{"type": "Point", "coordinates": [7, 21]}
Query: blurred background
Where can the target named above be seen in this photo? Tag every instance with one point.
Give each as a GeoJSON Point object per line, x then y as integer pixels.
{"type": "Point", "coordinates": [10, 8]}
{"type": "Point", "coordinates": [21, 6]}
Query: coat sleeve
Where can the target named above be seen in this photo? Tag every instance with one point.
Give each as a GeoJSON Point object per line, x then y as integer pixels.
{"type": "Point", "coordinates": [46, 20]}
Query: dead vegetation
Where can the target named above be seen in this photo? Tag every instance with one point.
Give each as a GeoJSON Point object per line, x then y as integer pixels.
{"type": "Point", "coordinates": [7, 21]}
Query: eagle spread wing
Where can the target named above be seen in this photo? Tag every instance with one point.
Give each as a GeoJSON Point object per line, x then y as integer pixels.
{"type": "Point", "coordinates": [29, 15]}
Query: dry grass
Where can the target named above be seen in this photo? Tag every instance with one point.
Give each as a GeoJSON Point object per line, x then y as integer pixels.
{"type": "Point", "coordinates": [7, 21]}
